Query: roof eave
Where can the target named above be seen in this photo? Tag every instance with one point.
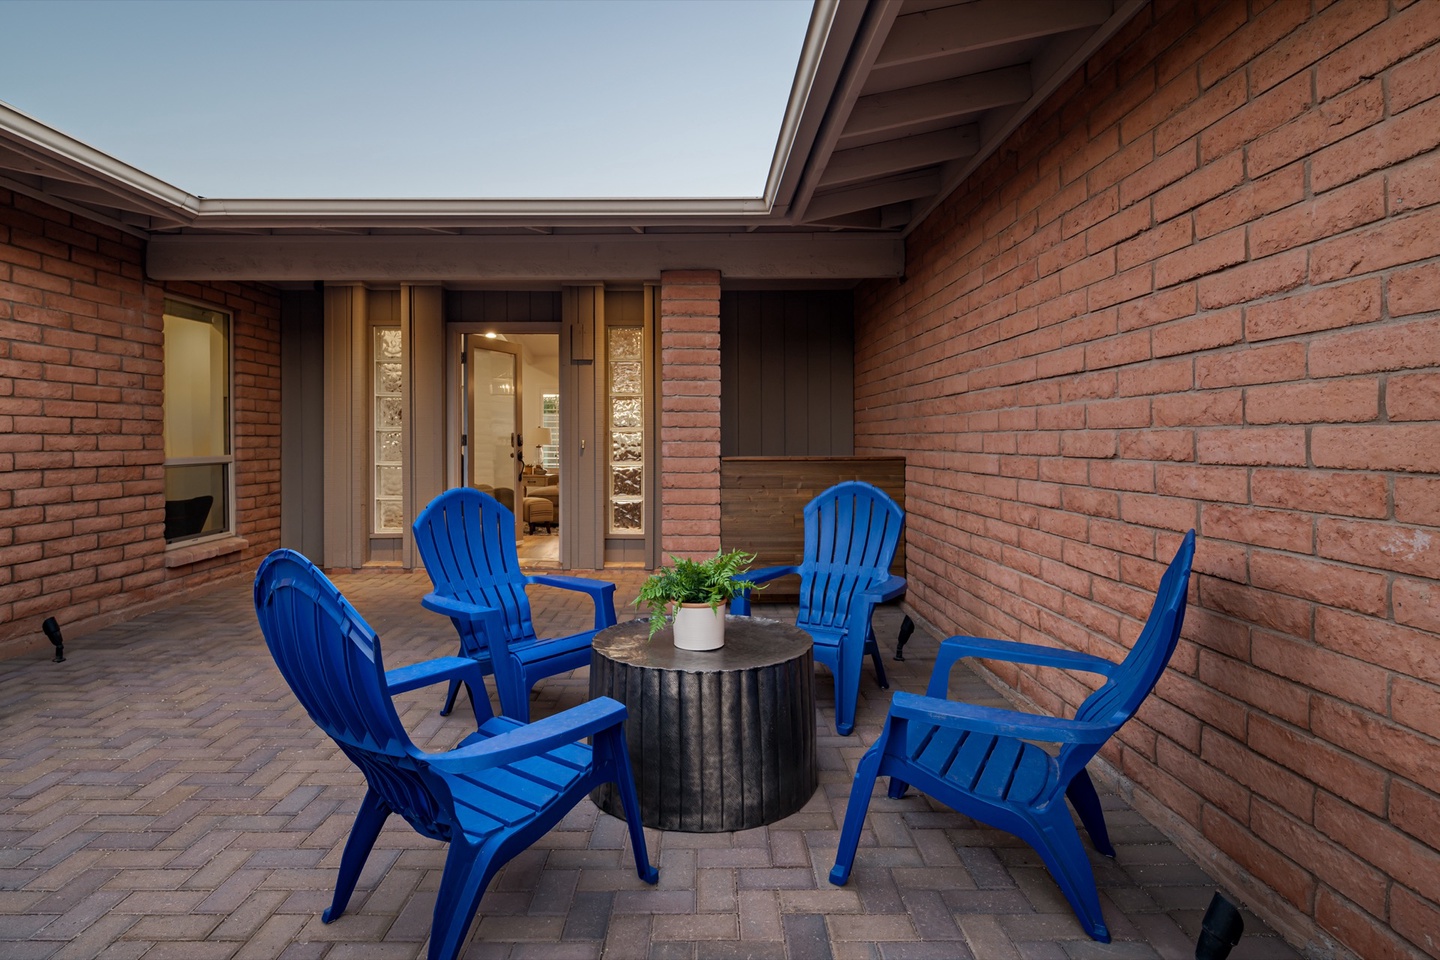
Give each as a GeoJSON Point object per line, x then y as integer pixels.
{"type": "Point", "coordinates": [78, 162]}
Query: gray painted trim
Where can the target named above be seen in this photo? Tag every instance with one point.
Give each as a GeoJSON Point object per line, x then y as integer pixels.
{"type": "Point", "coordinates": [423, 326]}
{"type": "Point", "coordinates": [345, 326]}
{"type": "Point", "coordinates": [520, 260]}
{"type": "Point", "coordinates": [581, 544]}
{"type": "Point", "coordinates": [302, 423]}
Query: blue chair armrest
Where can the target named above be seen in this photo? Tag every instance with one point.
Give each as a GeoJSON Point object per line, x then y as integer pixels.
{"type": "Point", "coordinates": [481, 628]}
{"type": "Point", "coordinates": [527, 740]}
{"type": "Point", "coordinates": [428, 672]}
{"type": "Point", "coordinates": [457, 609]}
{"type": "Point", "coordinates": [996, 721]}
{"type": "Point", "coordinates": [601, 591]}
{"type": "Point", "coordinates": [956, 648]}
{"type": "Point", "coordinates": [862, 604]}
{"type": "Point", "coordinates": [766, 574]}
{"type": "Point", "coordinates": [887, 589]}
{"type": "Point", "coordinates": [740, 606]}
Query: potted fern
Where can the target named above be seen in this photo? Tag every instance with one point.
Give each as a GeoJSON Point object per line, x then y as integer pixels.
{"type": "Point", "coordinates": [700, 592]}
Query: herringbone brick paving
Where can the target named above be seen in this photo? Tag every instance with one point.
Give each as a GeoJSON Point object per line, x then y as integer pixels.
{"type": "Point", "coordinates": [162, 795]}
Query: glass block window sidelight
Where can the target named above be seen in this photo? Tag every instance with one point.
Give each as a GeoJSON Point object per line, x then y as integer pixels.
{"type": "Point", "coordinates": [550, 417]}
{"type": "Point", "coordinates": [388, 490]}
{"type": "Point", "coordinates": [625, 389]}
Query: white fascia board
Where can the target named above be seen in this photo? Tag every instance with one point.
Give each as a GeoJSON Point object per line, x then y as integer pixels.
{"type": "Point", "coordinates": [86, 165]}
{"type": "Point", "coordinates": [93, 166]}
{"type": "Point", "coordinates": [812, 50]}
{"type": "Point", "coordinates": [489, 212]}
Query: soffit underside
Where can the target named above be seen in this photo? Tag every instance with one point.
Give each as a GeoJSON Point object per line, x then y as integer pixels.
{"type": "Point", "coordinates": [895, 102]}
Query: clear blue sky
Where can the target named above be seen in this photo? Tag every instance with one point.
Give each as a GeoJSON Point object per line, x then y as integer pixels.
{"type": "Point", "coordinates": [379, 98]}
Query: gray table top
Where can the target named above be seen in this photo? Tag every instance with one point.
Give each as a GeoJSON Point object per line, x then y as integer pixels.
{"type": "Point", "coordinates": [750, 642]}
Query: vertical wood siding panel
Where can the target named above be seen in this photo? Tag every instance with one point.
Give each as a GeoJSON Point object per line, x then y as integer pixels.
{"type": "Point", "coordinates": [787, 373]}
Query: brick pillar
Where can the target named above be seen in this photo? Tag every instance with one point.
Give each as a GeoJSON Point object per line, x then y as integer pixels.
{"type": "Point", "coordinates": [690, 412]}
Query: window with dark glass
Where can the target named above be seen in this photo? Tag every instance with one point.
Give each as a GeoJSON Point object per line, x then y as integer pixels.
{"type": "Point", "coordinates": [199, 462]}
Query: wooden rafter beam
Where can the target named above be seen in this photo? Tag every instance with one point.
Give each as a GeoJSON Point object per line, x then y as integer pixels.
{"type": "Point", "coordinates": [898, 156]}
{"type": "Point", "coordinates": [849, 200]}
{"type": "Point", "coordinates": [942, 100]}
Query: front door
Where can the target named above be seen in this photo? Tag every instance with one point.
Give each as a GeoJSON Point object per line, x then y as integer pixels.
{"type": "Point", "coordinates": [493, 429]}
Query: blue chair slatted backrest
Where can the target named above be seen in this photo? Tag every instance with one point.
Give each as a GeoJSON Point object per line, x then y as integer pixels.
{"type": "Point", "coordinates": [466, 539]}
{"type": "Point", "coordinates": [331, 659]}
{"type": "Point", "coordinates": [500, 790]}
{"type": "Point", "coordinates": [1132, 680]}
{"type": "Point", "coordinates": [851, 533]}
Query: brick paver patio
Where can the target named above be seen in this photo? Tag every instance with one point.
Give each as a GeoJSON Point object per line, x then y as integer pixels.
{"type": "Point", "coordinates": [162, 795]}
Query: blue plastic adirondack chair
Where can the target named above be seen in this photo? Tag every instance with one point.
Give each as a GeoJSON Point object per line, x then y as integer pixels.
{"type": "Point", "coordinates": [467, 541]}
{"type": "Point", "coordinates": [980, 761]}
{"type": "Point", "coordinates": [851, 532]}
{"type": "Point", "coordinates": [491, 797]}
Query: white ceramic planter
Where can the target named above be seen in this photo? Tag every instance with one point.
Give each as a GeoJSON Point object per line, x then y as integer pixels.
{"type": "Point", "coordinates": [697, 627]}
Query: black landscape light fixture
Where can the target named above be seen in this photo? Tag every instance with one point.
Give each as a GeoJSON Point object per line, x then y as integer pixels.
{"type": "Point", "coordinates": [1219, 931]}
{"type": "Point", "coordinates": [52, 630]}
{"type": "Point", "coordinates": [907, 627]}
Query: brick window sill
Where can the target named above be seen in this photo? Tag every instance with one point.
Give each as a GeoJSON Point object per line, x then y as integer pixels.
{"type": "Point", "coordinates": [186, 555]}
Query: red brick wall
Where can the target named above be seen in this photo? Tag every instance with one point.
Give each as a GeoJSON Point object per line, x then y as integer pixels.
{"type": "Point", "coordinates": [82, 511]}
{"type": "Point", "coordinates": [1200, 289]}
{"type": "Point", "coordinates": [690, 413]}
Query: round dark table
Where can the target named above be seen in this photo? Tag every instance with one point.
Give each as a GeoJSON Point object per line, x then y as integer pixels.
{"type": "Point", "coordinates": [719, 740]}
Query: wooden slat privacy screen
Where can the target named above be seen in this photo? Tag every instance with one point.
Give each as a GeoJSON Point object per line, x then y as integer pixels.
{"type": "Point", "coordinates": [762, 505]}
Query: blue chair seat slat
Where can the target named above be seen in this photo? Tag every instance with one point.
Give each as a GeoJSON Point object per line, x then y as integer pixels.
{"type": "Point", "coordinates": [558, 654]}
{"type": "Point", "coordinates": [997, 773]}
{"type": "Point", "coordinates": [501, 796]}
{"type": "Point", "coordinates": [823, 636]}
{"type": "Point", "coordinates": [332, 661]}
{"type": "Point", "coordinates": [969, 761]}
{"type": "Point", "coordinates": [999, 768]}
{"type": "Point", "coordinates": [466, 540]}
{"type": "Point", "coordinates": [476, 813]}
{"type": "Point", "coordinates": [1033, 776]}
{"type": "Point", "coordinates": [534, 776]}
{"type": "Point", "coordinates": [935, 747]}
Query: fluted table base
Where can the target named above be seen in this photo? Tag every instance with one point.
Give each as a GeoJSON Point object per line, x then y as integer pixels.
{"type": "Point", "coordinates": [719, 740]}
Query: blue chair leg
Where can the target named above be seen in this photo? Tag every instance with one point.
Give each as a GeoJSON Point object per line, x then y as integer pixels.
{"type": "Point", "coordinates": [1058, 844]}
{"type": "Point", "coordinates": [855, 810]}
{"type": "Point", "coordinates": [514, 690]}
{"type": "Point", "coordinates": [372, 816]}
{"type": "Point", "coordinates": [468, 871]}
{"type": "Point", "coordinates": [450, 698]}
{"type": "Point", "coordinates": [1087, 804]}
{"type": "Point", "coordinates": [873, 648]}
{"type": "Point", "coordinates": [612, 756]}
{"type": "Point", "coordinates": [847, 686]}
